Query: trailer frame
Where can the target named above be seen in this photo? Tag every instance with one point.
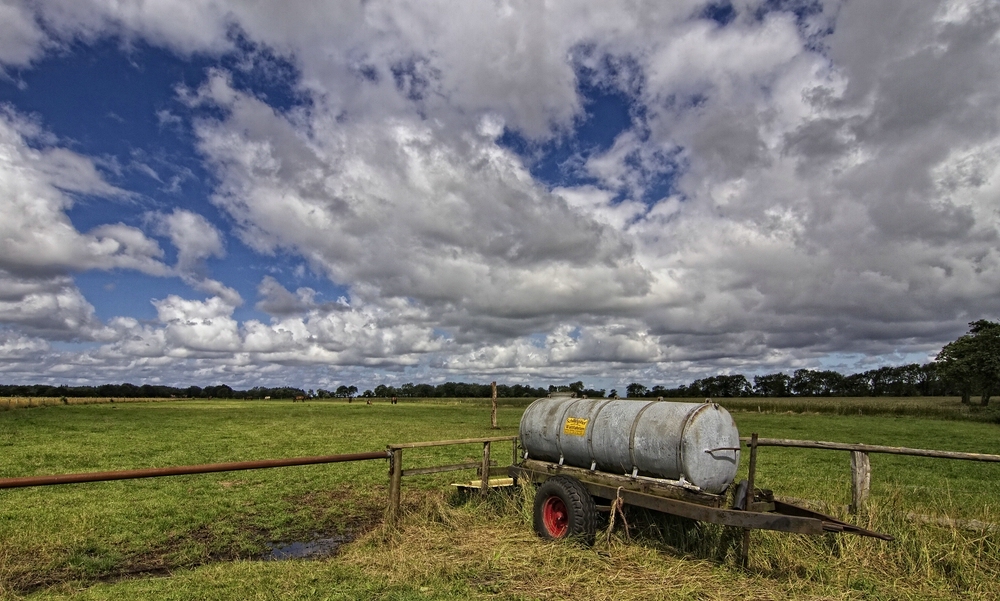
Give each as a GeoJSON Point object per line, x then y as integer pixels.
{"type": "Point", "coordinates": [766, 513]}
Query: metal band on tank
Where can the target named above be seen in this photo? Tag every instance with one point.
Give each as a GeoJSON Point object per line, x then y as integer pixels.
{"type": "Point", "coordinates": [526, 412]}
{"type": "Point", "coordinates": [680, 438]}
{"type": "Point", "coordinates": [559, 428]}
{"type": "Point", "coordinates": [590, 432]}
{"type": "Point", "coordinates": [631, 436]}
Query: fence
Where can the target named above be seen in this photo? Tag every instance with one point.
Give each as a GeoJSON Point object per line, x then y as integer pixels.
{"type": "Point", "coordinates": [180, 470]}
{"type": "Point", "coordinates": [396, 471]}
{"type": "Point", "coordinates": [394, 454]}
{"type": "Point", "coordinates": [860, 463]}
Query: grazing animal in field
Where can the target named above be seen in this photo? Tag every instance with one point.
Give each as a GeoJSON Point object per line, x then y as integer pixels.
{"type": "Point", "coordinates": [299, 398]}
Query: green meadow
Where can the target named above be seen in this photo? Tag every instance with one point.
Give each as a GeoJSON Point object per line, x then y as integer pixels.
{"type": "Point", "coordinates": [208, 536]}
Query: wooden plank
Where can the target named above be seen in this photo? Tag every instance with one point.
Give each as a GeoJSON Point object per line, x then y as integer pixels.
{"type": "Point", "coordinates": [444, 443]}
{"type": "Point", "coordinates": [474, 485]}
{"type": "Point", "coordinates": [539, 471]}
{"type": "Point", "coordinates": [868, 448]}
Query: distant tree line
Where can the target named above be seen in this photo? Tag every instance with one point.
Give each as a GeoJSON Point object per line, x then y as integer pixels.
{"type": "Point", "coordinates": [131, 391]}
{"type": "Point", "coordinates": [905, 380]}
{"type": "Point", "coordinates": [968, 366]}
{"type": "Point", "coordinates": [223, 391]}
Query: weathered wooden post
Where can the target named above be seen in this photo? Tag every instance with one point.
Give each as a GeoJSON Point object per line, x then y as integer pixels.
{"type": "Point", "coordinates": [485, 483]}
{"type": "Point", "coordinates": [395, 483]}
{"type": "Point", "coordinates": [493, 413]}
{"type": "Point", "coordinates": [861, 480]}
{"type": "Point", "coordinates": [751, 473]}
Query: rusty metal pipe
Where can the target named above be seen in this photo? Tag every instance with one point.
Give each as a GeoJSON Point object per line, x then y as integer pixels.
{"type": "Point", "coordinates": [181, 470]}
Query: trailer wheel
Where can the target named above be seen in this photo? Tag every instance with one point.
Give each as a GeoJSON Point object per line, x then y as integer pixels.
{"type": "Point", "coordinates": [564, 509]}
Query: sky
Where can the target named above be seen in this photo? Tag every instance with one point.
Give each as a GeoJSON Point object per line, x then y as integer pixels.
{"type": "Point", "coordinates": [198, 192]}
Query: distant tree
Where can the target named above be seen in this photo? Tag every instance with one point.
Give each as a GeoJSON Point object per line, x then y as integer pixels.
{"type": "Point", "coordinates": [721, 386]}
{"type": "Point", "coordinates": [973, 361]}
{"type": "Point", "coordinates": [774, 385]}
{"type": "Point", "coordinates": [635, 390]}
{"type": "Point", "coordinates": [808, 382]}
{"type": "Point", "coordinates": [576, 387]}
{"type": "Point", "coordinates": [613, 393]}
{"type": "Point", "coordinates": [856, 385]}
{"type": "Point", "coordinates": [222, 391]}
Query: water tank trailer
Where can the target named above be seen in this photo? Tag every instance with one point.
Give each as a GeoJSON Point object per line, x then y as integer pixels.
{"type": "Point", "coordinates": [678, 458]}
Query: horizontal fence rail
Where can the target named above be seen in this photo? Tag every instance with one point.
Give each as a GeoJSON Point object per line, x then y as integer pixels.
{"type": "Point", "coordinates": [871, 448]}
{"type": "Point", "coordinates": [182, 470]}
{"type": "Point", "coordinates": [446, 443]}
{"type": "Point", "coordinates": [861, 470]}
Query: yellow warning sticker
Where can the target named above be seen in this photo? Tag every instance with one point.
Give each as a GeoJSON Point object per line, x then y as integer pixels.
{"type": "Point", "coordinates": [575, 426]}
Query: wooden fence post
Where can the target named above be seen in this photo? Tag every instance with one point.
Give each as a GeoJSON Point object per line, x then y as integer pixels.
{"type": "Point", "coordinates": [395, 483]}
{"type": "Point", "coordinates": [485, 483]}
{"type": "Point", "coordinates": [493, 412]}
{"type": "Point", "coordinates": [751, 474]}
{"type": "Point", "coordinates": [861, 480]}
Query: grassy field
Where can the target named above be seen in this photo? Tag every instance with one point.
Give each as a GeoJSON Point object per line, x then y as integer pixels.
{"type": "Point", "coordinates": [204, 536]}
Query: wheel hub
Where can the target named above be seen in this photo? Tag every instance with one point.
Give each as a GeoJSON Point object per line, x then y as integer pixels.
{"type": "Point", "coordinates": [555, 516]}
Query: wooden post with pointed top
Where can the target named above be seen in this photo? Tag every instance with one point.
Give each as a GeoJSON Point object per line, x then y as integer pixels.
{"type": "Point", "coordinates": [493, 412]}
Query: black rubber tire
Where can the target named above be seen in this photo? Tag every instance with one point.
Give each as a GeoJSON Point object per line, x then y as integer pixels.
{"type": "Point", "coordinates": [580, 520]}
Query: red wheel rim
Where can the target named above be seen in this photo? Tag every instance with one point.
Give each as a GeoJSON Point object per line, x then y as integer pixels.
{"type": "Point", "coordinates": [555, 516]}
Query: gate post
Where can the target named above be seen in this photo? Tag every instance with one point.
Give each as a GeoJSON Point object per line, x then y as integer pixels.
{"type": "Point", "coordinates": [395, 482]}
{"type": "Point", "coordinates": [485, 483]}
{"type": "Point", "coordinates": [751, 473]}
{"type": "Point", "coordinates": [861, 480]}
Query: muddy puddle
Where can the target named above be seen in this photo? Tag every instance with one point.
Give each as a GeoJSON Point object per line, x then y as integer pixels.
{"type": "Point", "coordinates": [312, 549]}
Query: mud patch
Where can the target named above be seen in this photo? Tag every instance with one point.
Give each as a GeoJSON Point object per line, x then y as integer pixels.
{"type": "Point", "coordinates": [316, 548]}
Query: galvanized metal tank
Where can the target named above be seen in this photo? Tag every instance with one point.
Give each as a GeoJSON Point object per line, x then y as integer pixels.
{"type": "Point", "coordinates": [694, 442]}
